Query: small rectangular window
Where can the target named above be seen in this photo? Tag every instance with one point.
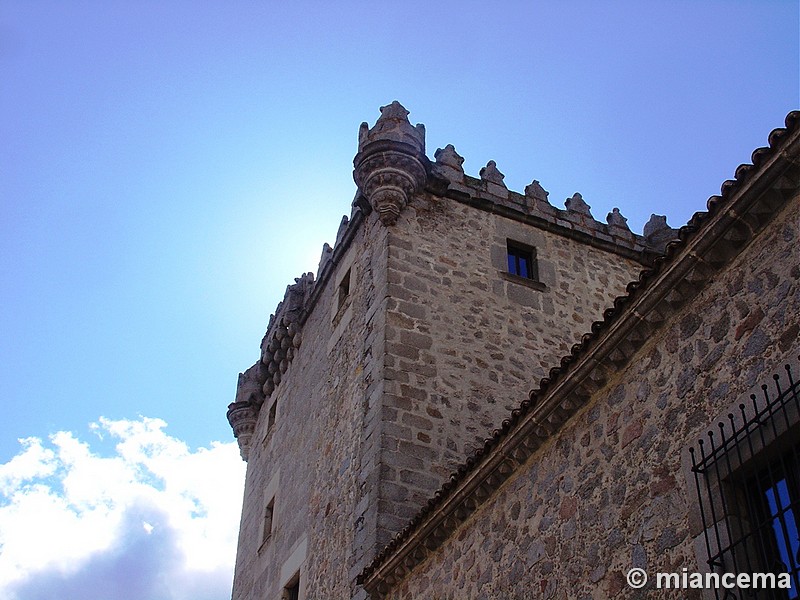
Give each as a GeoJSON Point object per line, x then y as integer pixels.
{"type": "Point", "coordinates": [522, 261]}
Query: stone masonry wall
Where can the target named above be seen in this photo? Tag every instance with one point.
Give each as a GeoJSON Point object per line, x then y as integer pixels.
{"type": "Point", "coordinates": [343, 501]}
{"type": "Point", "coordinates": [466, 341]}
{"type": "Point", "coordinates": [609, 491]}
{"type": "Point", "coordinates": [322, 447]}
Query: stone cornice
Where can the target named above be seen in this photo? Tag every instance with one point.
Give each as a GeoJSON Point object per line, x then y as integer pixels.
{"type": "Point", "coordinates": [709, 241]}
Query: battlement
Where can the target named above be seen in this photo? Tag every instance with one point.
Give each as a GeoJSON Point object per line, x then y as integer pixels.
{"type": "Point", "coordinates": [391, 166]}
{"type": "Point", "coordinates": [489, 192]}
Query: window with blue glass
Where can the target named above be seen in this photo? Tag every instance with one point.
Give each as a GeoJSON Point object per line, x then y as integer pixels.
{"type": "Point", "coordinates": [775, 502]}
{"type": "Point", "coordinates": [747, 478]}
{"type": "Point", "coordinates": [522, 261]}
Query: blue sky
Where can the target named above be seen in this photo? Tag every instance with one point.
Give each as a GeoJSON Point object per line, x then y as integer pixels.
{"type": "Point", "coordinates": [167, 168]}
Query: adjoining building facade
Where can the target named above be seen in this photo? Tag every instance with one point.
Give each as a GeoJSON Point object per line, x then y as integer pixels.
{"type": "Point", "coordinates": [443, 302]}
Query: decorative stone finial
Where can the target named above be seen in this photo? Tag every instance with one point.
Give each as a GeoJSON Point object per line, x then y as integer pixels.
{"type": "Point", "coordinates": [615, 219]}
{"type": "Point", "coordinates": [297, 295]}
{"type": "Point", "coordinates": [325, 257]}
{"type": "Point", "coordinates": [655, 224]}
{"type": "Point", "coordinates": [449, 163]}
{"type": "Point", "coordinates": [448, 157]}
{"type": "Point", "coordinates": [576, 204]}
{"type": "Point", "coordinates": [492, 174]}
{"type": "Point", "coordinates": [391, 164]}
{"type": "Point", "coordinates": [535, 190]}
{"type": "Point", "coordinates": [657, 233]}
{"type": "Point", "coordinates": [618, 225]}
{"type": "Point", "coordinates": [360, 203]}
{"type": "Point", "coordinates": [342, 228]}
{"type": "Point", "coordinates": [392, 125]}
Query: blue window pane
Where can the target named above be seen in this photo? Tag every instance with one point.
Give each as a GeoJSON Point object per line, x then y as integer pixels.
{"type": "Point", "coordinates": [521, 262]}
{"type": "Point", "coordinates": [780, 510]}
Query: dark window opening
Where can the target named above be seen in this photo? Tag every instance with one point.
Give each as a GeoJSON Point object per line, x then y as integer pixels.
{"type": "Point", "coordinates": [775, 507]}
{"type": "Point", "coordinates": [271, 416]}
{"type": "Point", "coordinates": [270, 424]}
{"type": "Point", "coordinates": [522, 261]}
{"type": "Point", "coordinates": [747, 477]}
{"type": "Point", "coordinates": [269, 511]}
{"type": "Point", "coordinates": [344, 289]}
{"type": "Point", "coordinates": [293, 590]}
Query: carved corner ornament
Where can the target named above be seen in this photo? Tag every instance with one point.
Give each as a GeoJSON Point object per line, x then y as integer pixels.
{"type": "Point", "coordinates": [242, 417]}
{"type": "Point", "coordinates": [391, 165]}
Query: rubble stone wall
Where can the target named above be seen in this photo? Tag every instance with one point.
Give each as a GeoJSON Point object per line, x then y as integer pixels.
{"type": "Point", "coordinates": [465, 341]}
{"type": "Point", "coordinates": [610, 490]}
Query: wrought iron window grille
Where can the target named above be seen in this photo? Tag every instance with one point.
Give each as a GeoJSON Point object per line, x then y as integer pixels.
{"type": "Point", "coordinates": [747, 477]}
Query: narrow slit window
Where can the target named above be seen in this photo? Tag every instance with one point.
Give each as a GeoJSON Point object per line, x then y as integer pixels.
{"type": "Point", "coordinates": [522, 261]}
{"type": "Point", "coordinates": [269, 512]}
{"type": "Point", "coordinates": [293, 590]}
{"type": "Point", "coordinates": [344, 289]}
{"type": "Point", "coordinates": [270, 424]}
{"type": "Point", "coordinates": [271, 416]}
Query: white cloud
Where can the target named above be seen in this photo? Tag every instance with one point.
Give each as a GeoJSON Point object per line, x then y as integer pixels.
{"type": "Point", "coordinates": [33, 461]}
{"type": "Point", "coordinates": [154, 521]}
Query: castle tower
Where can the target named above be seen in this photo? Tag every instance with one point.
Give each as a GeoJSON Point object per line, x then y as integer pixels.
{"type": "Point", "coordinates": [444, 299]}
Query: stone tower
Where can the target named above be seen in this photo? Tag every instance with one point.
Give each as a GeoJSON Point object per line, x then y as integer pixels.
{"type": "Point", "coordinates": [444, 299]}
